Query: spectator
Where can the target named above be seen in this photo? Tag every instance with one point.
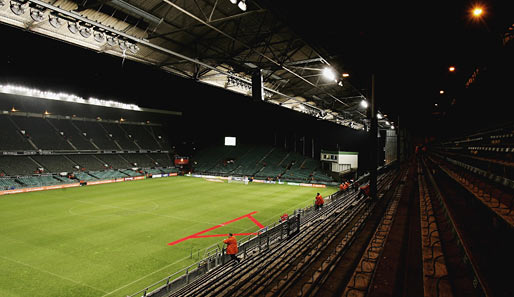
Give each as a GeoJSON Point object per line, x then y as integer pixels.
{"type": "Point", "coordinates": [319, 202]}
{"type": "Point", "coordinates": [284, 217]}
{"type": "Point", "coordinates": [363, 191]}
{"type": "Point", "coordinates": [232, 250]}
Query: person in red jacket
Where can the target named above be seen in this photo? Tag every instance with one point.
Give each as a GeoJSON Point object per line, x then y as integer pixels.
{"type": "Point", "coordinates": [364, 191]}
{"type": "Point", "coordinates": [319, 202]}
{"type": "Point", "coordinates": [232, 250]}
{"type": "Point", "coordinates": [284, 217]}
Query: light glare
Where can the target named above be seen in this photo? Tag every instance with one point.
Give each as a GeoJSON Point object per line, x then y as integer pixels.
{"type": "Point", "coordinates": [329, 74]}
{"type": "Point", "coordinates": [364, 103]}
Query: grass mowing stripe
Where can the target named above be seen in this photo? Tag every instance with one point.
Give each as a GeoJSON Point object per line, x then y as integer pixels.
{"type": "Point", "coordinates": [51, 273]}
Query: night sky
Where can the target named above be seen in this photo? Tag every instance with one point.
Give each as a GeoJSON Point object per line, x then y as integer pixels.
{"type": "Point", "coordinates": [407, 46]}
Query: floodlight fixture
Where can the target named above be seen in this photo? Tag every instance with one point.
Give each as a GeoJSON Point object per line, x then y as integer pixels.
{"type": "Point", "coordinates": [37, 15]}
{"type": "Point", "coordinates": [242, 5]}
{"type": "Point", "coordinates": [56, 22]}
{"type": "Point", "coordinates": [73, 27]}
{"type": "Point", "coordinates": [478, 11]}
{"type": "Point", "coordinates": [329, 73]}
{"type": "Point", "coordinates": [379, 116]}
{"type": "Point", "coordinates": [387, 123]}
{"type": "Point", "coordinates": [85, 32]}
{"type": "Point", "coordinates": [441, 92]}
{"type": "Point", "coordinates": [451, 68]}
{"type": "Point", "coordinates": [17, 8]}
{"type": "Point", "coordinates": [392, 127]}
{"type": "Point", "coordinates": [99, 36]}
{"type": "Point", "coordinates": [346, 75]}
{"type": "Point", "coordinates": [133, 48]}
{"type": "Point", "coordinates": [123, 45]}
{"type": "Point", "coordinates": [111, 41]}
{"type": "Point", "coordinates": [233, 1]}
{"type": "Point", "coordinates": [364, 103]}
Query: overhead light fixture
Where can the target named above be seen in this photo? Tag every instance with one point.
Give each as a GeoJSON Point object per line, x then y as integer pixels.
{"type": "Point", "coordinates": [99, 36]}
{"type": "Point", "coordinates": [133, 48]}
{"type": "Point", "coordinates": [242, 5]}
{"type": "Point", "coordinates": [73, 28]}
{"type": "Point", "coordinates": [392, 127]}
{"type": "Point", "coordinates": [56, 22]}
{"type": "Point", "coordinates": [111, 41]}
{"type": "Point", "coordinates": [37, 15]}
{"type": "Point", "coordinates": [441, 92]}
{"type": "Point", "coordinates": [17, 8]}
{"type": "Point", "coordinates": [85, 32]}
{"type": "Point", "coordinates": [364, 103]}
{"type": "Point", "coordinates": [123, 45]}
{"type": "Point", "coordinates": [346, 74]}
{"type": "Point", "coordinates": [379, 116]}
{"type": "Point", "coordinates": [387, 123]}
{"type": "Point", "coordinates": [233, 1]}
{"type": "Point", "coordinates": [328, 73]}
{"type": "Point", "coordinates": [136, 11]}
{"type": "Point", "coordinates": [451, 68]}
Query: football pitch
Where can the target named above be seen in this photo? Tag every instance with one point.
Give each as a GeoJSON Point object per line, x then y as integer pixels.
{"type": "Point", "coordinates": [112, 240]}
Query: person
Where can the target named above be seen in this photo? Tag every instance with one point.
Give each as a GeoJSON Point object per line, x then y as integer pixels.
{"type": "Point", "coordinates": [319, 202]}
{"type": "Point", "coordinates": [341, 187]}
{"type": "Point", "coordinates": [284, 217]}
{"type": "Point", "coordinates": [232, 250]}
{"type": "Point", "coordinates": [363, 191]}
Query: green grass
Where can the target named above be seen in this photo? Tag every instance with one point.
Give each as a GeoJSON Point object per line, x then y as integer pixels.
{"type": "Point", "coordinates": [111, 240]}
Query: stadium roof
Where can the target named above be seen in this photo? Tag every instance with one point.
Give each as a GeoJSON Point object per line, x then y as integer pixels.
{"type": "Point", "coordinates": [408, 46]}
{"type": "Point", "coordinates": [212, 41]}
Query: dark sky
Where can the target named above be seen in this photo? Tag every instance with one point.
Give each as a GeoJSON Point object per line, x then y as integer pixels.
{"type": "Point", "coordinates": [407, 45]}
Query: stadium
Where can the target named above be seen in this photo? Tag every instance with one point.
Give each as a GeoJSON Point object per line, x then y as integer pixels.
{"type": "Point", "coordinates": [140, 139]}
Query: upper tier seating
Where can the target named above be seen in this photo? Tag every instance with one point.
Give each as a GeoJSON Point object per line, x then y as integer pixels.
{"type": "Point", "coordinates": [96, 133]}
{"type": "Point", "coordinates": [42, 134]}
{"type": "Point", "coordinates": [10, 137]}
{"type": "Point", "coordinates": [71, 133]}
{"type": "Point", "coordinates": [117, 134]}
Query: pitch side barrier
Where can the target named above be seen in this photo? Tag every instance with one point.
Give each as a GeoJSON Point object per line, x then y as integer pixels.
{"type": "Point", "coordinates": [211, 177]}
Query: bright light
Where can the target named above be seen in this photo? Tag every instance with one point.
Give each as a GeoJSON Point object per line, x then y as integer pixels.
{"type": "Point", "coordinates": [451, 69]}
{"type": "Point", "coordinates": [387, 123]}
{"type": "Point", "coordinates": [22, 91]}
{"type": "Point", "coordinates": [329, 74]}
{"type": "Point", "coordinates": [364, 103]}
{"type": "Point", "coordinates": [379, 116]}
{"type": "Point", "coordinates": [233, 1]}
{"type": "Point", "coordinates": [435, 105]}
{"type": "Point", "coordinates": [392, 127]}
{"type": "Point", "coordinates": [477, 11]}
{"type": "Point", "coordinates": [230, 141]}
{"type": "Point", "coordinates": [441, 92]}
{"type": "Point", "coordinates": [346, 74]}
{"type": "Point", "coordinates": [242, 5]}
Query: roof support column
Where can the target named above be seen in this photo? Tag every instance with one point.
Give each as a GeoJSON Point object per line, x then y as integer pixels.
{"type": "Point", "coordinates": [373, 133]}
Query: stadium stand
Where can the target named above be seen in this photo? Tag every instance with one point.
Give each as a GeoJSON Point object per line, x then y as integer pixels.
{"type": "Point", "coordinates": [18, 165]}
{"type": "Point", "coordinates": [141, 136]}
{"type": "Point", "coordinates": [139, 160]}
{"type": "Point", "coordinates": [72, 134]}
{"type": "Point", "coordinates": [39, 131]}
{"type": "Point", "coordinates": [259, 161]}
{"type": "Point", "coordinates": [87, 162]}
{"type": "Point", "coordinates": [96, 134]}
{"type": "Point", "coordinates": [11, 138]}
{"type": "Point", "coordinates": [118, 135]}
{"type": "Point", "coordinates": [55, 163]}
{"type": "Point", "coordinates": [114, 160]}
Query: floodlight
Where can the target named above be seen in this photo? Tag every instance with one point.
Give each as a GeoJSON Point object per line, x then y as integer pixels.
{"type": "Point", "coordinates": [364, 103]}
{"type": "Point", "coordinates": [99, 36]}
{"type": "Point", "coordinates": [451, 69]}
{"type": "Point", "coordinates": [346, 74]}
{"type": "Point", "coordinates": [387, 123]}
{"type": "Point", "coordinates": [329, 74]}
{"type": "Point", "coordinates": [37, 15]}
{"type": "Point", "coordinates": [111, 41]}
{"type": "Point", "coordinates": [73, 27]}
{"type": "Point", "coordinates": [242, 5]}
{"type": "Point", "coordinates": [133, 48]}
{"type": "Point", "coordinates": [123, 45]}
{"type": "Point", "coordinates": [477, 11]}
{"type": "Point", "coordinates": [85, 32]}
{"type": "Point", "coordinates": [441, 92]}
{"type": "Point", "coordinates": [233, 1]}
{"type": "Point", "coordinates": [379, 116]}
{"type": "Point", "coordinates": [392, 127]}
{"type": "Point", "coordinates": [17, 9]}
{"type": "Point", "coordinates": [55, 21]}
